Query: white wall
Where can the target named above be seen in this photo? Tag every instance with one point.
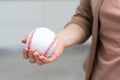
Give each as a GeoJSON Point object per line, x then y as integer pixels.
{"type": "Point", "coordinates": [58, 13]}
{"type": "Point", "coordinates": [18, 18]}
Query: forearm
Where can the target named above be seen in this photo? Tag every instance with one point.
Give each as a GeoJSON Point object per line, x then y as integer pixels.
{"type": "Point", "coordinates": [72, 34]}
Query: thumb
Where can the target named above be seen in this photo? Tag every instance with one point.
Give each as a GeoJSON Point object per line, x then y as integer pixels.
{"type": "Point", "coordinates": [24, 39]}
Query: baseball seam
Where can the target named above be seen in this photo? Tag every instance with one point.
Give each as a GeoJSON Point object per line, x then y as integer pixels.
{"type": "Point", "coordinates": [31, 37]}
{"type": "Point", "coordinates": [48, 48]}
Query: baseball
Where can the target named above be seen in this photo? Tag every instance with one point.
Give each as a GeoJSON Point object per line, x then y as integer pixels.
{"type": "Point", "coordinates": [43, 40]}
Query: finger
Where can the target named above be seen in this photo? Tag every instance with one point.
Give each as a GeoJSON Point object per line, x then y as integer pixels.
{"type": "Point", "coordinates": [46, 60]}
{"type": "Point", "coordinates": [59, 49]}
{"type": "Point", "coordinates": [24, 39]}
{"type": "Point", "coordinates": [25, 53]}
{"type": "Point", "coordinates": [31, 56]}
{"type": "Point", "coordinates": [32, 60]}
{"type": "Point", "coordinates": [37, 58]}
{"type": "Point", "coordinates": [31, 53]}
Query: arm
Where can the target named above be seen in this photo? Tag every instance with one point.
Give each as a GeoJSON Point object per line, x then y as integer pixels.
{"type": "Point", "coordinates": [72, 35]}
{"type": "Point", "coordinates": [76, 31]}
{"type": "Point", "coordinates": [79, 28]}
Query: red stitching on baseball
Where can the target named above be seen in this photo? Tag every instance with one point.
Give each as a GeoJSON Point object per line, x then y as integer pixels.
{"type": "Point", "coordinates": [30, 39]}
{"type": "Point", "coordinates": [50, 46]}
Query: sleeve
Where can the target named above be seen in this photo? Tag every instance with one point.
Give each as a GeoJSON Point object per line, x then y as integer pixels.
{"type": "Point", "coordinates": [83, 17]}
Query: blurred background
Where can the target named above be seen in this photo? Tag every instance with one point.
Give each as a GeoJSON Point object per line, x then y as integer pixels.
{"type": "Point", "coordinates": [18, 18]}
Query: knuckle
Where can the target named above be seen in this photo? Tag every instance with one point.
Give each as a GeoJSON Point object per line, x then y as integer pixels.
{"type": "Point", "coordinates": [33, 50]}
{"type": "Point", "coordinates": [26, 49]}
{"type": "Point", "coordinates": [30, 55]}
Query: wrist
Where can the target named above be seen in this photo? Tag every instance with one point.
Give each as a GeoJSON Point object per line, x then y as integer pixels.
{"type": "Point", "coordinates": [62, 40]}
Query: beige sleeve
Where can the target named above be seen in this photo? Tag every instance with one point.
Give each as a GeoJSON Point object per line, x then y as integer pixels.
{"type": "Point", "coordinates": [83, 17]}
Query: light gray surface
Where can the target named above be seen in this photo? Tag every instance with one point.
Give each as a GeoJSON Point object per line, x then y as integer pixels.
{"type": "Point", "coordinates": [67, 67]}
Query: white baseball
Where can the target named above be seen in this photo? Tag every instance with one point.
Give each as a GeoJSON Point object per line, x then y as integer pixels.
{"type": "Point", "coordinates": [43, 40]}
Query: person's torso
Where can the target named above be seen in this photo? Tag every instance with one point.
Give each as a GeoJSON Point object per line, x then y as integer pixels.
{"type": "Point", "coordinates": [108, 53]}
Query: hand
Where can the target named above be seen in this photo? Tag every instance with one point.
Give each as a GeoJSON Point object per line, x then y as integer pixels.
{"type": "Point", "coordinates": [35, 57]}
